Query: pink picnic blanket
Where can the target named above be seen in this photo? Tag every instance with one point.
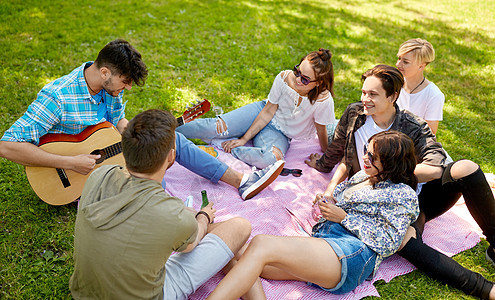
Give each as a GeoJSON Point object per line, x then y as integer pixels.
{"type": "Point", "coordinates": [451, 233]}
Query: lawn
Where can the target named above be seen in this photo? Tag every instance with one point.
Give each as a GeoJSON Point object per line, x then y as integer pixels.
{"type": "Point", "coordinates": [229, 52]}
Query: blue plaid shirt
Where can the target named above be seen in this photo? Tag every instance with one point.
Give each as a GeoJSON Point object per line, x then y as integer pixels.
{"type": "Point", "coordinates": [64, 106]}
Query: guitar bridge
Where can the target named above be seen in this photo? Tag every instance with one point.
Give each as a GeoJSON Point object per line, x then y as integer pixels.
{"type": "Point", "coordinates": [63, 177]}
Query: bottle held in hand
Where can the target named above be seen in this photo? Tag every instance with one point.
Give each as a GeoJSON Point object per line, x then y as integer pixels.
{"type": "Point", "coordinates": [204, 197]}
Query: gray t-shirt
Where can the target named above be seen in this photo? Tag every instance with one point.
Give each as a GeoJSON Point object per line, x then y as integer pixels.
{"type": "Point", "coordinates": [126, 229]}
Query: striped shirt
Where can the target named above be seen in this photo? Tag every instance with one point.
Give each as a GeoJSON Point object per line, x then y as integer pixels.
{"type": "Point", "coordinates": [64, 106]}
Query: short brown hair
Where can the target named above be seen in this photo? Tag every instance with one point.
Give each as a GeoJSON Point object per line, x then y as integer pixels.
{"type": "Point", "coordinates": [147, 140]}
{"type": "Point", "coordinates": [391, 78]}
{"type": "Point", "coordinates": [397, 155]}
{"type": "Point", "coordinates": [123, 59]}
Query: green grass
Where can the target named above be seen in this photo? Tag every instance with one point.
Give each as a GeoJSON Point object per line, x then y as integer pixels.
{"type": "Point", "coordinates": [229, 52]}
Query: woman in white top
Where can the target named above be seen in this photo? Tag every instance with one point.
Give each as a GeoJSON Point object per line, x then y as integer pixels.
{"type": "Point", "coordinates": [299, 105]}
{"type": "Point", "coordinates": [419, 95]}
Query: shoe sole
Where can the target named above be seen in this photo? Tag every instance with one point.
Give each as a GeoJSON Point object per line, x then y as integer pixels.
{"type": "Point", "coordinates": [269, 178]}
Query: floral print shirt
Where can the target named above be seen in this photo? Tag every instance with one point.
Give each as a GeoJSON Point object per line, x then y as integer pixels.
{"type": "Point", "coordinates": [378, 216]}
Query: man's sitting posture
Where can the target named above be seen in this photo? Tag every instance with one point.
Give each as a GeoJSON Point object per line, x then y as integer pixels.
{"type": "Point", "coordinates": [127, 226]}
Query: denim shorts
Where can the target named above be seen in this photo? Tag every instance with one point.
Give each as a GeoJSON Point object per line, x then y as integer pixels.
{"type": "Point", "coordinates": [186, 272]}
{"type": "Point", "coordinates": [357, 259]}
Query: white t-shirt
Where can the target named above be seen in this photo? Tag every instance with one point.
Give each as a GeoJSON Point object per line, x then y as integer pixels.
{"type": "Point", "coordinates": [427, 103]}
{"type": "Point", "coordinates": [297, 122]}
{"type": "Point", "coordinates": [362, 135]}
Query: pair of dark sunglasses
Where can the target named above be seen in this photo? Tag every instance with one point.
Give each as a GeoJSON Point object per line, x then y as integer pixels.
{"type": "Point", "coordinates": [370, 155]}
{"type": "Point", "coordinates": [304, 79]}
{"type": "Point", "coordinates": [294, 172]}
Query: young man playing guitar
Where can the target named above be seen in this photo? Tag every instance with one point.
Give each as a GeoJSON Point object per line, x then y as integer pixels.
{"type": "Point", "coordinates": [91, 94]}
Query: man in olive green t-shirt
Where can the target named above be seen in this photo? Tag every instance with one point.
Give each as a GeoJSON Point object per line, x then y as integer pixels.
{"type": "Point", "coordinates": [127, 226]}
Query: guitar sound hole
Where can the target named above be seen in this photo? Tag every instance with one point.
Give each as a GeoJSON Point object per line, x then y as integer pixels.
{"type": "Point", "coordinates": [102, 157]}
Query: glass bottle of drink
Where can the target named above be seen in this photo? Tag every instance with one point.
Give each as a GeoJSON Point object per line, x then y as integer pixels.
{"type": "Point", "coordinates": [204, 198]}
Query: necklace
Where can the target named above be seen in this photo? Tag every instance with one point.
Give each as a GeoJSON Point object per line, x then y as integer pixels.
{"type": "Point", "coordinates": [417, 85]}
{"type": "Point", "coordinates": [87, 83]}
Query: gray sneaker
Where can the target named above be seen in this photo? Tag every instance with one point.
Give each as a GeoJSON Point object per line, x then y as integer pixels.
{"type": "Point", "coordinates": [260, 179]}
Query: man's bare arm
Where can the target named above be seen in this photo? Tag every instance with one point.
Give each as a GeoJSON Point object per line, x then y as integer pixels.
{"type": "Point", "coordinates": [27, 154]}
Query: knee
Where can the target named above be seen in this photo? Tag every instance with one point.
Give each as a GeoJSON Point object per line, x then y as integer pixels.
{"type": "Point", "coordinates": [234, 232]}
{"type": "Point", "coordinates": [260, 239]}
{"type": "Point", "coordinates": [221, 126]}
{"type": "Point", "coordinates": [257, 249]}
{"type": "Point", "coordinates": [260, 244]}
{"type": "Point", "coordinates": [411, 233]}
{"type": "Point", "coordinates": [241, 227]}
{"type": "Point", "coordinates": [278, 153]}
{"type": "Point", "coordinates": [463, 168]}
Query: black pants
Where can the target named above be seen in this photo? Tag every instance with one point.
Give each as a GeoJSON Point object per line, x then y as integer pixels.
{"type": "Point", "coordinates": [437, 197]}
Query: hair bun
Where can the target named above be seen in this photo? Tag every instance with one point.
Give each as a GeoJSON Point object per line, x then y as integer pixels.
{"type": "Point", "coordinates": [324, 54]}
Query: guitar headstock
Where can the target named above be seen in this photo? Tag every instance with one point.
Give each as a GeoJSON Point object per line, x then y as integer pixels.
{"type": "Point", "coordinates": [199, 109]}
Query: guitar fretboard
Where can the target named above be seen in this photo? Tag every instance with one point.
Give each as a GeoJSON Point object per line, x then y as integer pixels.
{"type": "Point", "coordinates": [180, 121]}
{"type": "Point", "coordinates": [113, 150]}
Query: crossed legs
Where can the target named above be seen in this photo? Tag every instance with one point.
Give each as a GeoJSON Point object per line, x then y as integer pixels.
{"type": "Point", "coordinates": [281, 258]}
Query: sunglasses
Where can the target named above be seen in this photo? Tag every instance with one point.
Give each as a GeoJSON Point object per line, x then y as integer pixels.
{"type": "Point", "coordinates": [370, 155]}
{"type": "Point", "coordinates": [294, 172]}
{"type": "Point", "coordinates": [304, 79]}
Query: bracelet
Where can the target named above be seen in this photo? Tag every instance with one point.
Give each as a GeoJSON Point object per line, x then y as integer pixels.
{"type": "Point", "coordinates": [205, 214]}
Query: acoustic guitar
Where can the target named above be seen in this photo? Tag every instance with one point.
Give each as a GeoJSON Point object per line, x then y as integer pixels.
{"type": "Point", "coordinates": [58, 186]}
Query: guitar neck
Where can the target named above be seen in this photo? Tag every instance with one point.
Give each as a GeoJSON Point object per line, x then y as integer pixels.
{"type": "Point", "coordinates": [180, 121]}
{"type": "Point", "coordinates": [192, 113]}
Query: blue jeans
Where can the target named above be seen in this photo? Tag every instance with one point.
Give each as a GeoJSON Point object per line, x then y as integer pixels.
{"type": "Point", "coordinates": [196, 160]}
{"type": "Point", "coordinates": [357, 259]}
{"type": "Point", "coordinates": [238, 122]}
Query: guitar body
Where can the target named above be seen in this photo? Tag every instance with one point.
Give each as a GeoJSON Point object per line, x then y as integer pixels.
{"type": "Point", "coordinates": [59, 186]}
{"type": "Point", "coordinates": [47, 183]}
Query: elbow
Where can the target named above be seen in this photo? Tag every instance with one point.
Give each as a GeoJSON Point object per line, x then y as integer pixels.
{"type": "Point", "coordinates": [3, 149]}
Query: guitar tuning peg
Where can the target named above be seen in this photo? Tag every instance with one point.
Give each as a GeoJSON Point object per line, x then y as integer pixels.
{"type": "Point", "coordinates": [187, 106]}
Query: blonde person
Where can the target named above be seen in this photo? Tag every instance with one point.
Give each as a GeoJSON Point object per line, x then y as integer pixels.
{"type": "Point", "coordinates": [419, 95]}
{"type": "Point", "coordinates": [366, 223]}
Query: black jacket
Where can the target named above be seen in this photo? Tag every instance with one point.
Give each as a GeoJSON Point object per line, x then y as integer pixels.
{"type": "Point", "coordinates": [343, 146]}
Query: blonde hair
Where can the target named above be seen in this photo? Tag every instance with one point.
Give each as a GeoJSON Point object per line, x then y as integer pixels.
{"type": "Point", "coordinates": [422, 50]}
